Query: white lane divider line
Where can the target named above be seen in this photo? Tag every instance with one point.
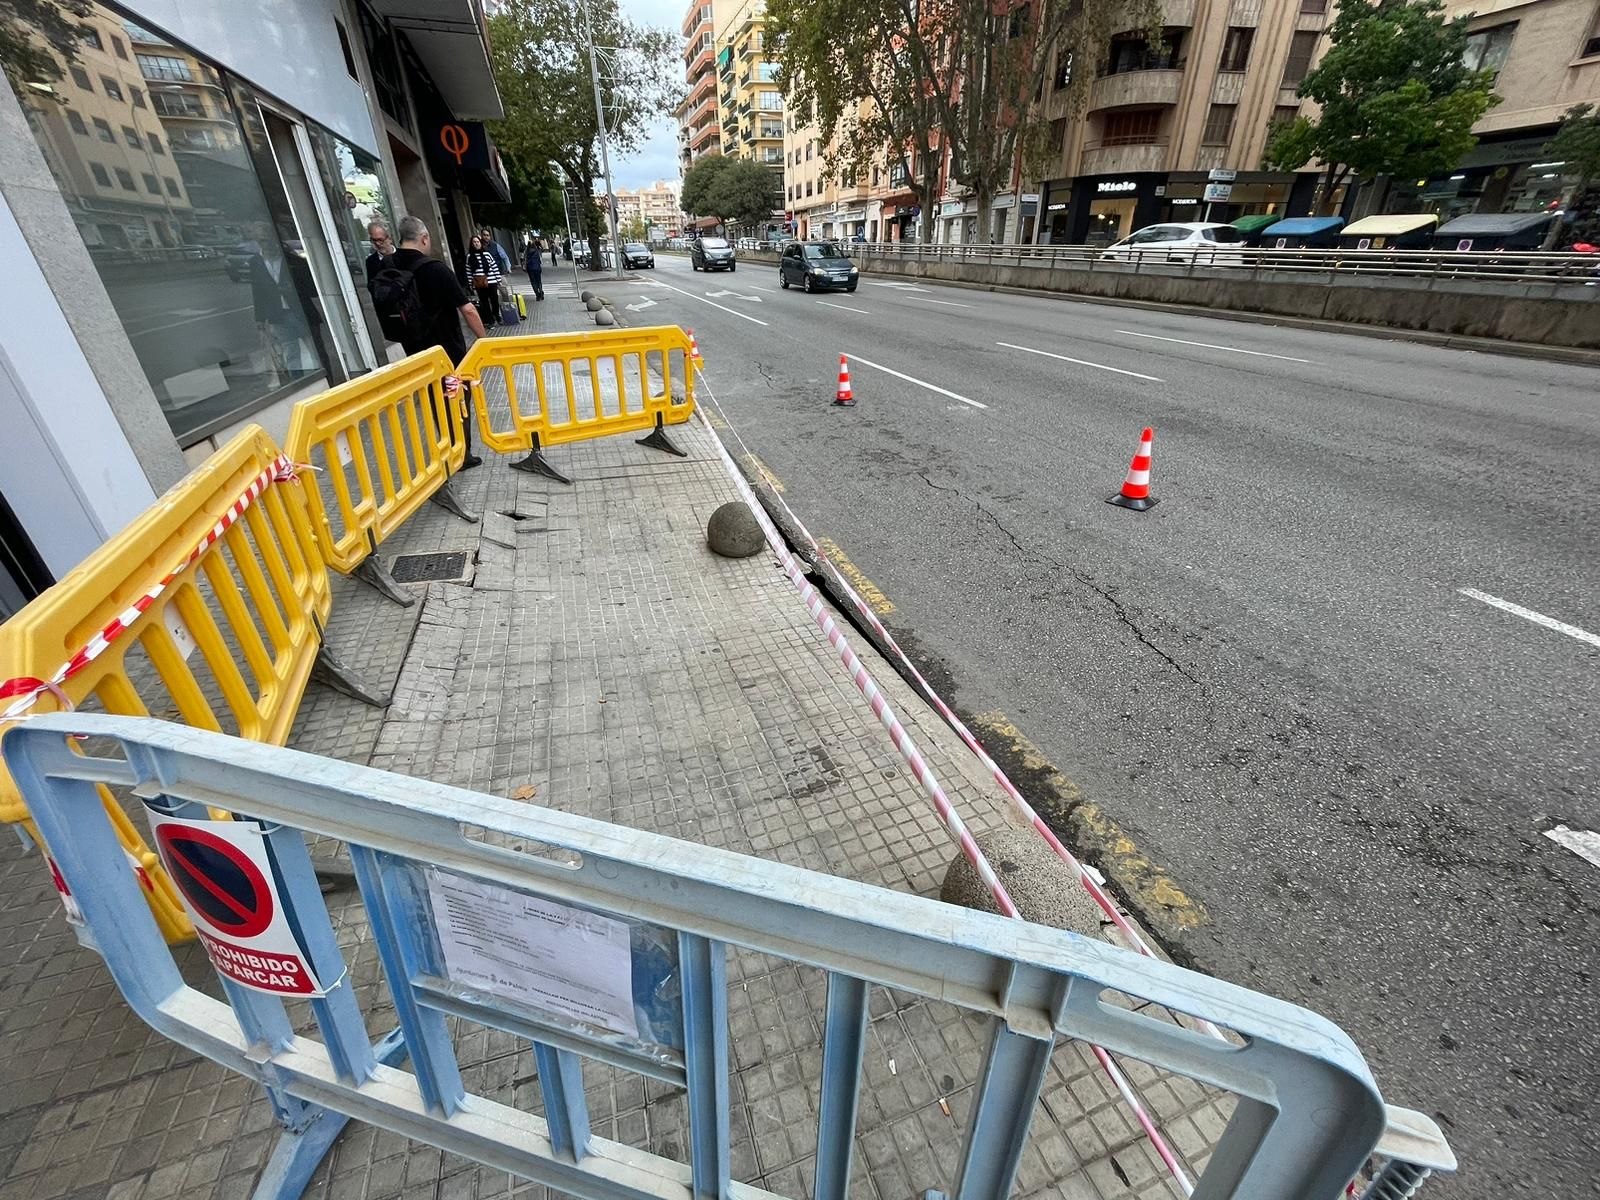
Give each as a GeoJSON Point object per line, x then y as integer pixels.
{"type": "Point", "coordinates": [904, 287]}
{"type": "Point", "coordinates": [1080, 362]}
{"type": "Point", "coordinates": [1582, 842]}
{"type": "Point", "coordinates": [1213, 346]}
{"type": "Point", "coordinates": [946, 303]}
{"type": "Point", "coordinates": [932, 387]}
{"type": "Point", "coordinates": [714, 304]}
{"type": "Point", "coordinates": [1538, 618]}
{"type": "Point", "coordinates": [846, 307]}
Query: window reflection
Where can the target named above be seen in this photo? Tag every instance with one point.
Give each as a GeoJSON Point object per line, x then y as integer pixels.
{"type": "Point", "coordinates": [148, 155]}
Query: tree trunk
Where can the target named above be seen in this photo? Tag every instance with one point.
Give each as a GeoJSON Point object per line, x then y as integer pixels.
{"type": "Point", "coordinates": [985, 217]}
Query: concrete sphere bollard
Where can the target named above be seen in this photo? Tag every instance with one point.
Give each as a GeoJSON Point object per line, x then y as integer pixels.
{"type": "Point", "coordinates": [732, 531]}
{"type": "Point", "coordinates": [605, 317]}
{"type": "Point", "coordinates": [593, 304]}
{"type": "Point", "coordinates": [1044, 889]}
{"type": "Point", "coordinates": [585, 296]}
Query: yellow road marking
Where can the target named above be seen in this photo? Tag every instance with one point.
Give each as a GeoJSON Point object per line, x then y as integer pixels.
{"type": "Point", "coordinates": [1144, 884]}
{"type": "Point", "coordinates": [761, 469]}
{"type": "Point", "coordinates": [868, 591]}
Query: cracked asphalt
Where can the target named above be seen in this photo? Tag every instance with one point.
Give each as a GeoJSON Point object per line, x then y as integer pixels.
{"type": "Point", "coordinates": [1271, 680]}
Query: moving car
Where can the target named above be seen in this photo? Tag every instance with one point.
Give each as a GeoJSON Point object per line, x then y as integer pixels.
{"type": "Point", "coordinates": [1190, 241]}
{"type": "Point", "coordinates": [711, 254]}
{"type": "Point", "coordinates": [816, 266]}
{"type": "Point", "coordinates": [637, 254]}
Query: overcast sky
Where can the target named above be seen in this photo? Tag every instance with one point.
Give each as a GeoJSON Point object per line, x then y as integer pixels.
{"type": "Point", "coordinates": [658, 158]}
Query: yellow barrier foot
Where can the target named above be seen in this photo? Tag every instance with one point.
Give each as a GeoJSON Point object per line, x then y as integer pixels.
{"type": "Point", "coordinates": [447, 499]}
{"type": "Point", "coordinates": [657, 439]}
{"type": "Point", "coordinates": [537, 465]}
{"type": "Point", "coordinates": [331, 670]}
{"type": "Point", "coordinates": [375, 575]}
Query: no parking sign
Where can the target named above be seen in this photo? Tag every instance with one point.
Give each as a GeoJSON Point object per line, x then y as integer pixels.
{"type": "Point", "coordinates": [223, 873]}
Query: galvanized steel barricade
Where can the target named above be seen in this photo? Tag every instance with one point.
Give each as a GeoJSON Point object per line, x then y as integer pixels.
{"type": "Point", "coordinates": [451, 880]}
{"type": "Point", "coordinates": [208, 608]}
{"type": "Point", "coordinates": [383, 445]}
{"type": "Point", "coordinates": [547, 390]}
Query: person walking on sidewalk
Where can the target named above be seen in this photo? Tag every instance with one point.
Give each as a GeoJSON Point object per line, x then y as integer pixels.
{"type": "Point", "coordinates": [483, 268]}
{"type": "Point", "coordinates": [421, 304]}
{"type": "Point", "coordinates": [552, 244]}
{"type": "Point", "coordinates": [486, 236]}
{"type": "Point", "coordinates": [534, 262]}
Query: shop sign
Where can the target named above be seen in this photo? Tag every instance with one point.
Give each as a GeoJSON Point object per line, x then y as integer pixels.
{"type": "Point", "coordinates": [1218, 193]}
{"type": "Point", "coordinates": [1113, 187]}
{"type": "Point", "coordinates": [1161, 189]}
{"type": "Point", "coordinates": [1178, 200]}
{"type": "Point", "coordinates": [1222, 175]}
{"type": "Point", "coordinates": [1061, 207]}
{"type": "Point", "coordinates": [460, 144]}
{"type": "Point", "coordinates": [1030, 198]}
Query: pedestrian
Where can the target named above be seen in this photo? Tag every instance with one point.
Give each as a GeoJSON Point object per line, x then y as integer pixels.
{"type": "Point", "coordinates": [483, 269]}
{"type": "Point", "coordinates": [552, 244]}
{"type": "Point", "coordinates": [486, 236]}
{"type": "Point", "coordinates": [566, 249]}
{"type": "Point", "coordinates": [534, 262]}
{"type": "Point", "coordinates": [420, 304]}
{"type": "Point", "coordinates": [382, 248]}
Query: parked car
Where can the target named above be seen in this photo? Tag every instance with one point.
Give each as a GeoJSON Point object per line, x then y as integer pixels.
{"type": "Point", "coordinates": [711, 254]}
{"type": "Point", "coordinates": [1192, 241]}
{"type": "Point", "coordinates": [817, 266]}
{"type": "Point", "coordinates": [637, 254]}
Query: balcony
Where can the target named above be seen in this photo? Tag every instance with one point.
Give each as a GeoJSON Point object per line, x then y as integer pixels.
{"type": "Point", "coordinates": [1102, 159]}
{"type": "Point", "coordinates": [704, 136]}
{"type": "Point", "coordinates": [1135, 89]}
{"type": "Point", "coordinates": [696, 59]}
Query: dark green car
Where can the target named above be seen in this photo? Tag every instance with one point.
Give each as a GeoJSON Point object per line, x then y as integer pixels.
{"type": "Point", "coordinates": [817, 267]}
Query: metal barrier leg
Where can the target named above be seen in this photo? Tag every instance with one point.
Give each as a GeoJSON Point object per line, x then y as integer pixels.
{"type": "Point", "coordinates": [536, 463]}
{"type": "Point", "coordinates": [705, 1058]}
{"type": "Point", "coordinates": [657, 439]}
{"type": "Point", "coordinates": [1013, 1073]}
{"type": "Point", "coordinates": [375, 575]}
{"type": "Point", "coordinates": [447, 499]}
{"type": "Point", "coordinates": [1397, 1181]}
{"type": "Point", "coordinates": [561, 1082]}
{"type": "Point", "coordinates": [331, 671]}
{"type": "Point", "coordinates": [843, 1040]}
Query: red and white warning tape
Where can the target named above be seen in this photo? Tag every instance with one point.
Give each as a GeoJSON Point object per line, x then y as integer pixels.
{"type": "Point", "coordinates": [24, 691]}
{"type": "Point", "coordinates": [970, 849]}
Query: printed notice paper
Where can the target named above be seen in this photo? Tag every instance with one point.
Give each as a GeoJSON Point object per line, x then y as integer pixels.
{"type": "Point", "coordinates": [566, 961]}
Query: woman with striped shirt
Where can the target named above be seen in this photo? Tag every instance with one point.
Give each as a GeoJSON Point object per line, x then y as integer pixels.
{"type": "Point", "coordinates": [483, 268]}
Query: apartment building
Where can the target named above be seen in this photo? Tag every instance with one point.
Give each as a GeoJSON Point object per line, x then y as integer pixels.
{"type": "Point", "coordinates": [699, 117]}
{"type": "Point", "coordinates": [748, 96]}
{"type": "Point", "coordinates": [655, 206]}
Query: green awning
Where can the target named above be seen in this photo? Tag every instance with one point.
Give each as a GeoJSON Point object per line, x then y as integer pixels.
{"type": "Point", "coordinates": [1256, 222]}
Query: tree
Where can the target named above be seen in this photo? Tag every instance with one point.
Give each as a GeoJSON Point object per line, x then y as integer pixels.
{"type": "Point", "coordinates": [699, 182]}
{"type": "Point", "coordinates": [1396, 97]}
{"type": "Point", "coordinates": [746, 192]}
{"type": "Point", "coordinates": [542, 69]}
{"type": "Point", "coordinates": [535, 197]}
{"type": "Point", "coordinates": [1576, 146]}
{"type": "Point", "coordinates": [633, 230]}
{"type": "Point", "coordinates": [29, 57]}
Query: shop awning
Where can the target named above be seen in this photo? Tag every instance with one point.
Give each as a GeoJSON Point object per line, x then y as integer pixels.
{"type": "Point", "coordinates": [1392, 225]}
{"type": "Point", "coordinates": [1485, 224]}
{"type": "Point", "coordinates": [449, 37]}
{"type": "Point", "coordinates": [1255, 221]}
{"type": "Point", "coordinates": [1303, 226]}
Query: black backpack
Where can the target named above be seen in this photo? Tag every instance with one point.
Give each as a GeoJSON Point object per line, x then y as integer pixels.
{"type": "Point", "coordinates": [399, 305]}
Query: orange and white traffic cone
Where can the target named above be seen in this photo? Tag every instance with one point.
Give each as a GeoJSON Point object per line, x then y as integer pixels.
{"type": "Point", "coordinates": [1135, 493]}
{"type": "Point", "coordinates": [844, 397]}
{"type": "Point", "coordinates": [694, 351]}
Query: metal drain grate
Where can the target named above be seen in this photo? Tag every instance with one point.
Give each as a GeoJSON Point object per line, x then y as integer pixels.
{"type": "Point", "coordinates": [431, 568]}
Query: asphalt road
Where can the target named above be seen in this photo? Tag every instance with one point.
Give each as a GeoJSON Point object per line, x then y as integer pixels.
{"type": "Point", "coordinates": [1273, 679]}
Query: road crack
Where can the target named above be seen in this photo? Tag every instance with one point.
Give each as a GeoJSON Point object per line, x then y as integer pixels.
{"type": "Point", "coordinates": [1118, 609]}
{"type": "Point", "coordinates": [766, 375]}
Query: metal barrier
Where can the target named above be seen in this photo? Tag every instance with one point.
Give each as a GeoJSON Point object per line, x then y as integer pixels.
{"type": "Point", "coordinates": [383, 445]}
{"type": "Point", "coordinates": [592, 940]}
{"type": "Point", "coordinates": [550, 389]}
{"type": "Point", "coordinates": [208, 608]}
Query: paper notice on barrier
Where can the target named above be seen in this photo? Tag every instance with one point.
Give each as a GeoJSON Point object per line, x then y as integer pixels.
{"type": "Point", "coordinates": [566, 961]}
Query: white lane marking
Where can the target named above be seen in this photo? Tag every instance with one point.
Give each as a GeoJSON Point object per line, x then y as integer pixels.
{"type": "Point", "coordinates": [1582, 842]}
{"type": "Point", "coordinates": [736, 295]}
{"type": "Point", "coordinates": [1213, 346]}
{"type": "Point", "coordinates": [1527, 614]}
{"type": "Point", "coordinates": [846, 307]}
{"type": "Point", "coordinates": [946, 303]}
{"type": "Point", "coordinates": [714, 304]}
{"type": "Point", "coordinates": [769, 291]}
{"type": "Point", "coordinates": [1080, 362]}
{"type": "Point", "coordinates": [932, 387]}
{"type": "Point", "coordinates": [904, 287]}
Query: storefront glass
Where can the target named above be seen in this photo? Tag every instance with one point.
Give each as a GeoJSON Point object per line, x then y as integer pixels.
{"type": "Point", "coordinates": [1110, 221]}
{"type": "Point", "coordinates": [151, 160]}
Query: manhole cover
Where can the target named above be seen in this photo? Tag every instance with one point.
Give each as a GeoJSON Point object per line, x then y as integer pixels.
{"type": "Point", "coordinates": [430, 568]}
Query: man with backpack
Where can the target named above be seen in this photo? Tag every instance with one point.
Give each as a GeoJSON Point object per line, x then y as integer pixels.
{"type": "Point", "coordinates": [420, 303]}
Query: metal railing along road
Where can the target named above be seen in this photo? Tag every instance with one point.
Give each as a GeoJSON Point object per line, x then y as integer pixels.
{"type": "Point", "coordinates": [595, 941]}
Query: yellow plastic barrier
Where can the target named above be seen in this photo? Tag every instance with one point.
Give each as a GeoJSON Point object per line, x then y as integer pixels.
{"type": "Point", "coordinates": [226, 643]}
{"type": "Point", "coordinates": [550, 389]}
{"type": "Point", "coordinates": [383, 446]}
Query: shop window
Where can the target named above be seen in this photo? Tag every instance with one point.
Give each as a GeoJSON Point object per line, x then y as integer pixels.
{"type": "Point", "coordinates": [1138, 127]}
{"type": "Point", "coordinates": [1219, 125]}
{"type": "Point", "coordinates": [137, 96]}
{"type": "Point", "coordinates": [1488, 49]}
{"type": "Point", "coordinates": [125, 178]}
{"type": "Point", "coordinates": [81, 78]}
{"type": "Point", "coordinates": [101, 176]}
{"type": "Point", "coordinates": [74, 120]}
{"type": "Point", "coordinates": [1302, 47]}
{"type": "Point", "coordinates": [102, 130]}
{"type": "Point", "coordinates": [1236, 48]}
{"type": "Point", "coordinates": [111, 87]}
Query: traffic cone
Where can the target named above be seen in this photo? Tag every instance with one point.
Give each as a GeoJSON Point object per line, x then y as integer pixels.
{"type": "Point", "coordinates": [1135, 493]}
{"type": "Point", "coordinates": [694, 351]}
{"type": "Point", "coordinates": [844, 397]}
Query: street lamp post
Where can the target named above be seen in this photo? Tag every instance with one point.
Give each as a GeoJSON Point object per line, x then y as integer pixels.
{"type": "Point", "coordinates": [605, 145]}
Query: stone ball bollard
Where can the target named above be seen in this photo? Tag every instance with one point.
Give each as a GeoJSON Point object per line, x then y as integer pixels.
{"type": "Point", "coordinates": [605, 317]}
{"type": "Point", "coordinates": [732, 531]}
{"type": "Point", "coordinates": [1044, 889]}
{"type": "Point", "coordinates": [593, 304]}
{"type": "Point", "coordinates": [585, 296]}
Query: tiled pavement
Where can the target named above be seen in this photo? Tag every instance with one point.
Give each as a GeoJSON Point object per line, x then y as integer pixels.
{"type": "Point", "coordinates": [604, 656]}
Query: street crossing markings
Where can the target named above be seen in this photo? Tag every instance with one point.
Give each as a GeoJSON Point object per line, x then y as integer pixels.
{"type": "Point", "coordinates": [1080, 362]}
{"type": "Point", "coordinates": [846, 307]}
{"type": "Point", "coordinates": [1527, 614]}
{"type": "Point", "coordinates": [1213, 346]}
{"type": "Point", "coordinates": [714, 304]}
{"type": "Point", "coordinates": [1582, 842]}
{"type": "Point", "coordinates": [932, 387]}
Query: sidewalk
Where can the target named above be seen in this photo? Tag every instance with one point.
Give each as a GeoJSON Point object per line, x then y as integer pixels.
{"type": "Point", "coordinates": [601, 655]}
